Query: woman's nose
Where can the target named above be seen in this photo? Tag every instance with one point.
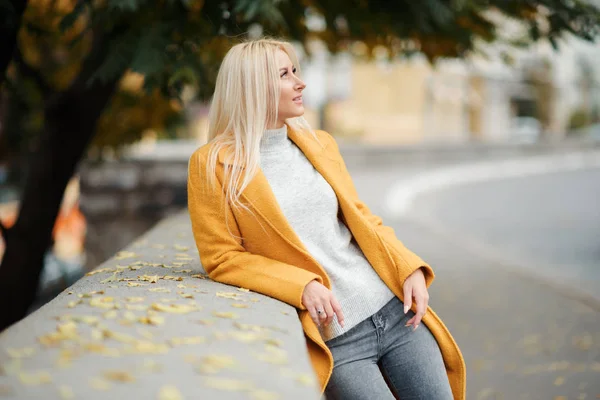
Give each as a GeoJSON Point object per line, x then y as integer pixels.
{"type": "Point", "coordinates": [300, 85]}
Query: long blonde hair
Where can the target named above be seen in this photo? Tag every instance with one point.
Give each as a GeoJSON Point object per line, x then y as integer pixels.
{"type": "Point", "coordinates": [244, 104]}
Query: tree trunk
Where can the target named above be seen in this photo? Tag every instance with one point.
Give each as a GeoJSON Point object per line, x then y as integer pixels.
{"type": "Point", "coordinates": [70, 124]}
{"type": "Point", "coordinates": [10, 24]}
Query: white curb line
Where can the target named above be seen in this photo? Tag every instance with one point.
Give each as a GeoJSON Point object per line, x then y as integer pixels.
{"type": "Point", "coordinates": [400, 197]}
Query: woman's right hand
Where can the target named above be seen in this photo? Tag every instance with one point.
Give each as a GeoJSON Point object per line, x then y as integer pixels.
{"type": "Point", "coordinates": [316, 297]}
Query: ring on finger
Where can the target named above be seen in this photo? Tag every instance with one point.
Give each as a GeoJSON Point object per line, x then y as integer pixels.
{"type": "Point", "coordinates": [320, 312]}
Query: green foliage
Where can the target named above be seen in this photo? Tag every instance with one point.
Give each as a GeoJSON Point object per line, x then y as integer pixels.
{"type": "Point", "coordinates": [578, 119]}
{"type": "Point", "coordinates": [180, 43]}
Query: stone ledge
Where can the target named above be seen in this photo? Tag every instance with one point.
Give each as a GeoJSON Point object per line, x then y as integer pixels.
{"type": "Point", "coordinates": [115, 334]}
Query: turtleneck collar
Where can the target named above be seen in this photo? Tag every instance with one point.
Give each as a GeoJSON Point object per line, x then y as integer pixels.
{"type": "Point", "coordinates": [274, 139]}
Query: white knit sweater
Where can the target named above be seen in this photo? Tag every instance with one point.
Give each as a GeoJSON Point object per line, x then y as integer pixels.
{"type": "Point", "coordinates": [311, 207]}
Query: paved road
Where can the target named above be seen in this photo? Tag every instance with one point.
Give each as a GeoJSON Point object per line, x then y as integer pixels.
{"type": "Point", "coordinates": [549, 222]}
{"type": "Point", "coordinates": [522, 339]}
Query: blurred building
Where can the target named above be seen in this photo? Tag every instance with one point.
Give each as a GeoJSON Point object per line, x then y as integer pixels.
{"type": "Point", "coordinates": [481, 98]}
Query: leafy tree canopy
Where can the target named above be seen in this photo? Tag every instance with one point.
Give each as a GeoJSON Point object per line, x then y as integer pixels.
{"type": "Point", "coordinates": [180, 43]}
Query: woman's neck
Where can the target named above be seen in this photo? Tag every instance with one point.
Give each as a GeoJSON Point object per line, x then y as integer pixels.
{"type": "Point", "coordinates": [278, 125]}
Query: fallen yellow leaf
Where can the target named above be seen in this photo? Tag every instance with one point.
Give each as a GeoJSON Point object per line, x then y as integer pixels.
{"type": "Point", "coordinates": [134, 299]}
{"type": "Point", "coordinates": [228, 295]}
{"type": "Point", "coordinates": [35, 378]}
{"type": "Point", "coordinates": [150, 365]}
{"type": "Point", "coordinates": [177, 341]}
{"type": "Point", "coordinates": [152, 320]}
{"type": "Point", "coordinates": [273, 355]}
{"type": "Point", "coordinates": [111, 278]}
{"type": "Point", "coordinates": [135, 284]}
{"type": "Point", "coordinates": [305, 379]}
{"type": "Point", "coordinates": [66, 392]}
{"type": "Point", "coordinates": [21, 353]}
{"type": "Point", "coordinates": [73, 304]}
{"type": "Point", "coordinates": [160, 290]}
{"type": "Point", "coordinates": [169, 392]}
{"type": "Point", "coordinates": [99, 271]}
{"type": "Point", "coordinates": [129, 316]}
{"type": "Point", "coordinates": [103, 302]}
{"type": "Point", "coordinates": [90, 294]}
{"type": "Point", "coordinates": [260, 394]}
{"type": "Point", "coordinates": [249, 327]}
{"type": "Point", "coordinates": [214, 363]}
{"type": "Point", "coordinates": [274, 342]}
{"type": "Point", "coordinates": [124, 254]}
{"type": "Point", "coordinates": [118, 376]}
{"type": "Point", "coordinates": [232, 385]}
{"type": "Point", "coordinates": [174, 308]}
{"type": "Point", "coordinates": [119, 337]}
{"type": "Point", "coordinates": [149, 278]}
{"type": "Point", "coordinates": [112, 314]}
{"type": "Point", "coordinates": [97, 334]}
{"type": "Point", "coordinates": [99, 383]}
{"type": "Point", "coordinates": [136, 307]}
{"type": "Point", "coordinates": [86, 319]}
{"type": "Point", "coordinates": [179, 247]}
{"type": "Point", "coordinates": [172, 278]}
{"type": "Point", "coordinates": [224, 314]}
{"type": "Point", "coordinates": [12, 367]}
{"type": "Point", "coordinates": [148, 347]}
{"type": "Point", "coordinates": [238, 305]}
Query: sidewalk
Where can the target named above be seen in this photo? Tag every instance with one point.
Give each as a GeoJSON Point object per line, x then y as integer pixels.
{"type": "Point", "coordinates": [521, 339]}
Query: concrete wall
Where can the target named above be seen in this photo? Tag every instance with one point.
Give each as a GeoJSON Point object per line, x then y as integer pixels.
{"type": "Point", "coordinates": [147, 324]}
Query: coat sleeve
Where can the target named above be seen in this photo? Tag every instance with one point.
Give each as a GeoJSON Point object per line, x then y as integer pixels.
{"type": "Point", "coordinates": [220, 247]}
{"type": "Point", "coordinates": [406, 261]}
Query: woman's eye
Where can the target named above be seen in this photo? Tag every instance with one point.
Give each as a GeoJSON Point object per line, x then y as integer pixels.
{"type": "Point", "coordinates": [285, 73]}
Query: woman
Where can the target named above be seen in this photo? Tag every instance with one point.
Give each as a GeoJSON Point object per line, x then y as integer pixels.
{"type": "Point", "coordinates": [273, 209]}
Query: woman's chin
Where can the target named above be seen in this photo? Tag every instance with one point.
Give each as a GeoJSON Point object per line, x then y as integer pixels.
{"type": "Point", "coordinates": [296, 114]}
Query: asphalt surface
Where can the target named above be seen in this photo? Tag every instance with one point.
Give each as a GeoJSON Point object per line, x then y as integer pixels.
{"type": "Point", "coordinates": [549, 223]}
{"type": "Point", "coordinates": [523, 335]}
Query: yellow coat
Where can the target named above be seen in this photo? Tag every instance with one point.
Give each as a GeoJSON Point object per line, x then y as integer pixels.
{"type": "Point", "coordinates": [270, 258]}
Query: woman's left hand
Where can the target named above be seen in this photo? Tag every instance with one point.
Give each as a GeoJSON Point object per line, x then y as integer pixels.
{"type": "Point", "coordinates": [415, 287]}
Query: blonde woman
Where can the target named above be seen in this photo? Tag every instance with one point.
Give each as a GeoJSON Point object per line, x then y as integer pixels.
{"type": "Point", "coordinates": [273, 209]}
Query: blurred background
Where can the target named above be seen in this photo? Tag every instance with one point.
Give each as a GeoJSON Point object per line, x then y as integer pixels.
{"type": "Point", "coordinates": [472, 127]}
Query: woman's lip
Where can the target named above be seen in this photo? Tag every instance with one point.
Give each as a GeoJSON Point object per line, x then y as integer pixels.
{"type": "Point", "coordinates": [298, 100]}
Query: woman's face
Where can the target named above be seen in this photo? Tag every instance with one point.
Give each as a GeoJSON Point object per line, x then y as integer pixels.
{"type": "Point", "coordinates": [290, 100]}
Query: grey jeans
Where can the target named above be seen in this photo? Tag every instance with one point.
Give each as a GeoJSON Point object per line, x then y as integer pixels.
{"type": "Point", "coordinates": [381, 345]}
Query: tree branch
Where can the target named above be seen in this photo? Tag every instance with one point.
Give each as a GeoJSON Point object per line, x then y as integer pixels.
{"type": "Point", "coordinates": [31, 72]}
{"type": "Point", "coordinates": [9, 26]}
